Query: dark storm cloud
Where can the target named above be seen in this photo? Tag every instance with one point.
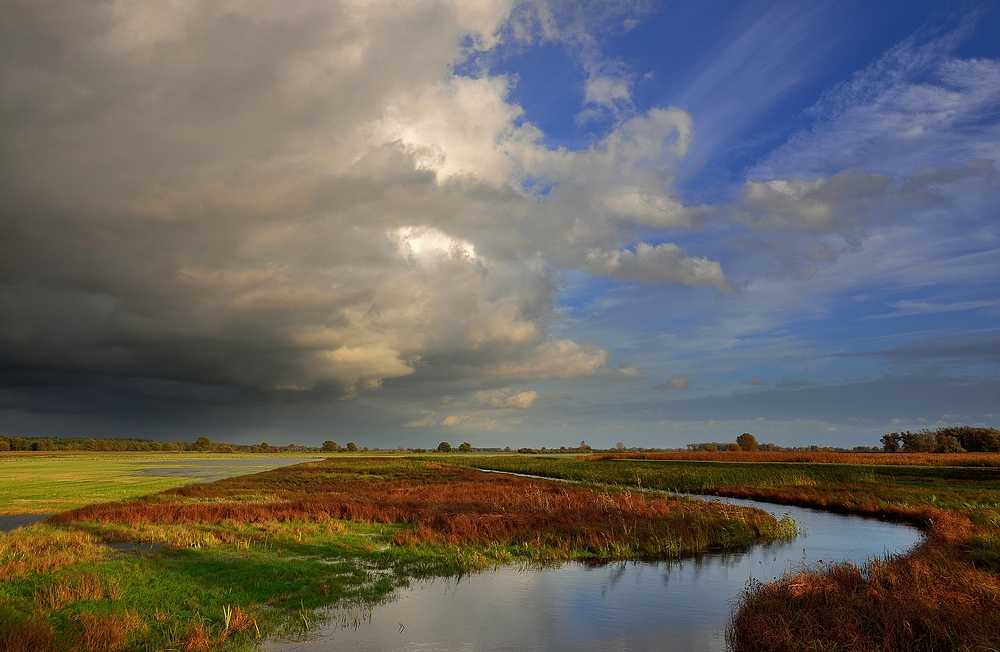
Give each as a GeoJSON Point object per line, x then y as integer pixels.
{"type": "Point", "coordinates": [292, 197]}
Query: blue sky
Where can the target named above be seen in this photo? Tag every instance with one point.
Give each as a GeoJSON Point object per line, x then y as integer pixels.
{"type": "Point", "coordinates": [502, 223]}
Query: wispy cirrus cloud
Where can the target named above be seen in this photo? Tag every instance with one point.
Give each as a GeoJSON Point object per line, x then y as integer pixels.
{"type": "Point", "coordinates": [905, 308]}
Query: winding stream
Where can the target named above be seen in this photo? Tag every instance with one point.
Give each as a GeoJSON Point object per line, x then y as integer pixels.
{"type": "Point", "coordinates": [673, 605]}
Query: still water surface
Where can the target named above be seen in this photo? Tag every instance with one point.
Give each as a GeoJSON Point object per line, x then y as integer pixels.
{"type": "Point", "coordinates": [679, 605]}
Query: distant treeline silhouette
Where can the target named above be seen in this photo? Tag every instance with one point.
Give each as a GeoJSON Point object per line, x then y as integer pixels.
{"type": "Point", "coordinates": [954, 439]}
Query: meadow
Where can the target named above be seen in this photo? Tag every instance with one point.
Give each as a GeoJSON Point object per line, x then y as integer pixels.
{"type": "Point", "coordinates": [945, 595]}
{"type": "Point", "coordinates": [220, 565]}
{"type": "Point", "coordinates": [45, 483]}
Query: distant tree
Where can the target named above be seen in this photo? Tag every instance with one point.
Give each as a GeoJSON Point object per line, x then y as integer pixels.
{"type": "Point", "coordinates": [585, 448]}
{"type": "Point", "coordinates": [947, 443]}
{"type": "Point", "coordinates": [203, 444]}
{"type": "Point", "coordinates": [733, 448]}
{"type": "Point", "coordinates": [264, 447]}
{"type": "Point", "coordinates": [919, 442]}
{"type": "Point", "coordinates": [444, 447]}
{"type": "Point", "coordinates": [619, 446]}
{"type": "Point", "coordinates": [892, 442]}
{"type": "Point", "coordinates": [711, 448]}
{"type": "Point", "coordinates": [224, 448]}
{"type": "Point", "coordinates": [465, 447]}
{"type": "Point", "coordinates": [330, 446]}
{"type": "Point", "coordinates": [747, 442]}
{"type": "Point", "coordinates": [4, 444]}
{"type": "Point", "coordinates": [352, 447]}
{"type": "Point", "coordinates": [980, 440]}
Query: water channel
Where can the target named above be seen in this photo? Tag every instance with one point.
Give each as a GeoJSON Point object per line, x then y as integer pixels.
{"type": "Point", "coordinates": [636, 606]}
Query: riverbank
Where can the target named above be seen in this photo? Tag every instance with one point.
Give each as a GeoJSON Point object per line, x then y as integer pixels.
{"type": "Point", "coordinates": [257, 554]}
{"type": "Point", "coordinates": [943, 595]}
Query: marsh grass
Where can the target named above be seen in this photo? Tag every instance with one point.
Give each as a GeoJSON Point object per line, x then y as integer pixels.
{"type": "Point", "coordinates": [945, 595]}
{"type": "Point", "coordinates": [251, 555]}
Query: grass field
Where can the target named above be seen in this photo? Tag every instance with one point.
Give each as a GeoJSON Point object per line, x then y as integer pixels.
{"type": "Point", "coordinates": [256, 554]}
{"type": "Point", "coordinates": [943, 596]}
{"type": "Point", "coordinates": [46, 483]}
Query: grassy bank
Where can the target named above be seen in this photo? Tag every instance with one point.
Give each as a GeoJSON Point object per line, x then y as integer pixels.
{"type": "Point", "coordinates": [943, 596]}
{"type": "Point", "coordinates": [247, 556]}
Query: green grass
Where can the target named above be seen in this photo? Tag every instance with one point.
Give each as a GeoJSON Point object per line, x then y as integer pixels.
{"type": "Point", "coordinates": [45, 483]}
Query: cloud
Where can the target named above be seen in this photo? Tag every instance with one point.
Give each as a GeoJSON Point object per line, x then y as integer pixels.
{"type": "Point", "coordinates": [309, 199]}
{"type": "Point", "coordinates": [905, 308]}
{"type": "Point", "coordinates": [964, 348]}
{"type": "Point", "coordinates": [818, 206]}
{"type": "Point", "coordinates": [506, 398]}
{"type": "Point", "coordinates": [678, 382]}
{"type": "Point", "coordinates": [791, 382]}
{"type": "Point", "coordinates": [756, 380]}
{"type": "Point", "coordinates": [917, 105]}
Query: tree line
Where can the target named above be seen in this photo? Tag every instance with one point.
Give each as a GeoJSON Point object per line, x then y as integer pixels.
{"type": "Point", "coordinates": [954, 439]}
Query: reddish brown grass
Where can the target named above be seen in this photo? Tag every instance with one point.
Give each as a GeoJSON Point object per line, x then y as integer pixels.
{"type": "Point", "coordinates": [817, 457]}
{"type": "Point", "coordinates": [446, 505]}
{"type": "Point", "coordinates": [928, 601]}
{"type": "Point", "coordinates": [196, 639]}
{"type": "Point", "coordinates": [28, 636]}
{"type": "Point", "coordinates": [105, 633]}
{"type": "Point", "coordinates": [241, 621]}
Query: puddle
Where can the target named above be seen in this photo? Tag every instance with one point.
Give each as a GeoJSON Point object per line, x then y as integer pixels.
{"type": "Point", "coordinates": [14, 521]}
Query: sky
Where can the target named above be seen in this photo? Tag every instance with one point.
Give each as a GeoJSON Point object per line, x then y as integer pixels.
{"type": "Point", "coordinates": [512, 224]}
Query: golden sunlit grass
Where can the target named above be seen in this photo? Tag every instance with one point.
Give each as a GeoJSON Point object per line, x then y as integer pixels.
{"type": "Point", "coordinates": [43, 549]}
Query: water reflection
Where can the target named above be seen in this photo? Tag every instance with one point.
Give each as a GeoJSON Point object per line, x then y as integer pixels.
{"type": "Point", "coordinates": [678, 605]}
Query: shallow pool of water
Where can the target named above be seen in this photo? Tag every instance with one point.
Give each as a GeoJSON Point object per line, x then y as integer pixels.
{"type": "Point", "coordinates": [679, 605]}
{"type": "Point", "coordinates": [208, 470]}
{"type": "Point", "coordinates": [14, 521]}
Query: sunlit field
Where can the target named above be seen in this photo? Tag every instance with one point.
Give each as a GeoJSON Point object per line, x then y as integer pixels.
{"type": "Point", "coordinates": [45, 483]}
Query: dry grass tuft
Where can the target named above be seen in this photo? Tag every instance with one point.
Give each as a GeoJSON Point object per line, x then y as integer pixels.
{"type": "Point", "coordinates": [196, 639]}
{"type": "Point", "coordinates": [41, 549]}
{"type": "Point", "coordinates": [105, 633]}
{"type": "Point", "coordinates": [241, 621]}
{"type": "Point", "coordinates": [28, 636]}
{"type": "Point", "coordinates": [61, 591]}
